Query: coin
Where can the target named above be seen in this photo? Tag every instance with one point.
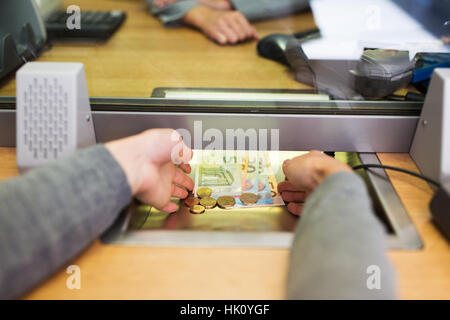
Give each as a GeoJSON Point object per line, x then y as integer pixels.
{"type": "Point", "coordinates": [226, 202]}
{"type": "Point", "coordinates": [208, 202]}
{"type": "Point", "coordinates": [197, 209]}
{"type": "Point", "coordinates": [204, 192]}
{"type": "Point", "coordinates": [248, 198]}
{"type": "Point", "coordinates": [191, 201]}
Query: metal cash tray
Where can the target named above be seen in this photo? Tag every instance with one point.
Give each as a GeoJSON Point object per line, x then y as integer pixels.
{"type": "Point", "coordinates": [268, 227]}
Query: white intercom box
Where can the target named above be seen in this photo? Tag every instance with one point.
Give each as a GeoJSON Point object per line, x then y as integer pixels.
{"type": "Point", "coordinates": [53, 114]}
{"type": "Point", "coordinates": [430, 148]}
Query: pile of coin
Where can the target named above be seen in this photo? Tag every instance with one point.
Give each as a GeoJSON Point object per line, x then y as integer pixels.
{"type": "Point", "coordinates": [197, 205]}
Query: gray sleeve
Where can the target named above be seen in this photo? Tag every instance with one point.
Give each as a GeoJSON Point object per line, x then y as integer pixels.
{"type": "Point", "coordinates": [337, 239]}
{"type": "Point", "coordinates": [172, 14]}
{"type": "Point", "coordinates": [50, 214]}
{"type": "Point", "coordinates": [266, 9]}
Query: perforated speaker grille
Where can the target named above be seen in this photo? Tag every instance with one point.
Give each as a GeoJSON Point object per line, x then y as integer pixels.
{"type": "Point", "coordinates": [45, 118]}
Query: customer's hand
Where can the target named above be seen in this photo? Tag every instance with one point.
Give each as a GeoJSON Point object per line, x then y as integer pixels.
{"type": "Point", "coordinates": [155, 163]}
{"type": "Point", "coordinates": [225, 27]}
{"type": "Point", "coordinates": [303, 174]}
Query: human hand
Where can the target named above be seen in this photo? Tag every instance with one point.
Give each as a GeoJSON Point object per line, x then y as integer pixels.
{"type": "Point", "coordinates": [225, 27]}
{"type": "Point", "coordinates": [149, 161]}
{"type": "Point", "coordinates": [304, 174]}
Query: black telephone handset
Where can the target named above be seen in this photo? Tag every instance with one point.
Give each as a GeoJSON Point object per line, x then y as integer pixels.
{"type": "Point", "coordinates": [273, 46]}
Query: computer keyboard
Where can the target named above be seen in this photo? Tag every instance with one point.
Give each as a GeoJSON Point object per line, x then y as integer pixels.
{"type": "Point", "coordinates": [94, 24]}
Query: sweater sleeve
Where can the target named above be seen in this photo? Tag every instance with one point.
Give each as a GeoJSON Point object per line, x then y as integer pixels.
{"type": "Point", "coordinates": [339, 245]}
{"type": "Point", "coordinates": [48, 215]}
{"type": "Point", "coordinates": [171, 14]}
{"type": "Point", "coordinates": [266, 9]}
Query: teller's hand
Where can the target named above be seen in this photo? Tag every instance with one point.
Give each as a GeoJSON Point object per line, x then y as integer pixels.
{"type": "Point", "coordinates": [304, 174]}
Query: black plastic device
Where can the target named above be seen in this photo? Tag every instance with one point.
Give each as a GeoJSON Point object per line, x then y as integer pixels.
{"type": "Point", "coordinates": [380, 72]}
{"type": "Point", "coordinates": [94, 24]}
{"type": "Point", "coordinates": [273, 46]}
{"type": "Point", "coordinates": [440, 209]}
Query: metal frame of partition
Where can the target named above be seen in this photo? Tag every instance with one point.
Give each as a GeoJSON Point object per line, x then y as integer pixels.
{"type": "Point", "coordinates": [353, 126]}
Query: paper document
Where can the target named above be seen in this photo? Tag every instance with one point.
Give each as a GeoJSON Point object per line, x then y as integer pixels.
{"type": "Point", "coordinates": [348, 26]}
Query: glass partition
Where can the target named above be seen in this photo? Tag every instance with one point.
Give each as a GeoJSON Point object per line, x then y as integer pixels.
{"type": "Point", "coordinates": [249, 50]}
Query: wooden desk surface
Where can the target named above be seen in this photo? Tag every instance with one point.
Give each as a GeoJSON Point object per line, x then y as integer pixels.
{"type": "Point", "coordinates": [144, 55]}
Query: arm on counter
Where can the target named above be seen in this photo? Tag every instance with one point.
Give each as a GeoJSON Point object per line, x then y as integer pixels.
{"type": "Point", "coordinates": [224, 21]}
{"type": "Point", "coordinates": [339, 244]}
{"type": "Point", "coordinates": [50, 214]}
{"type": "Point", "coordinates": [172, 11]}
{"type": "Point", "coordinates": [268, 9]}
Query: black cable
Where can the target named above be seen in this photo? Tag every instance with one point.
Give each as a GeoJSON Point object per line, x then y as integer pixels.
{"type": "Point", "coordinates": [366, 166]}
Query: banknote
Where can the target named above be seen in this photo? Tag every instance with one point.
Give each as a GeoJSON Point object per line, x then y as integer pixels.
{"type": "Point", "coordinates": [254, 179]}
{"type": "Point", "coordinates": [220, 171]}
{"type": "Point", "coordinates": [234, 172]}
{"type": "Point", "coordinates": [260, 180]}
{"type": "Point", "coordinates": [273, 184]}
